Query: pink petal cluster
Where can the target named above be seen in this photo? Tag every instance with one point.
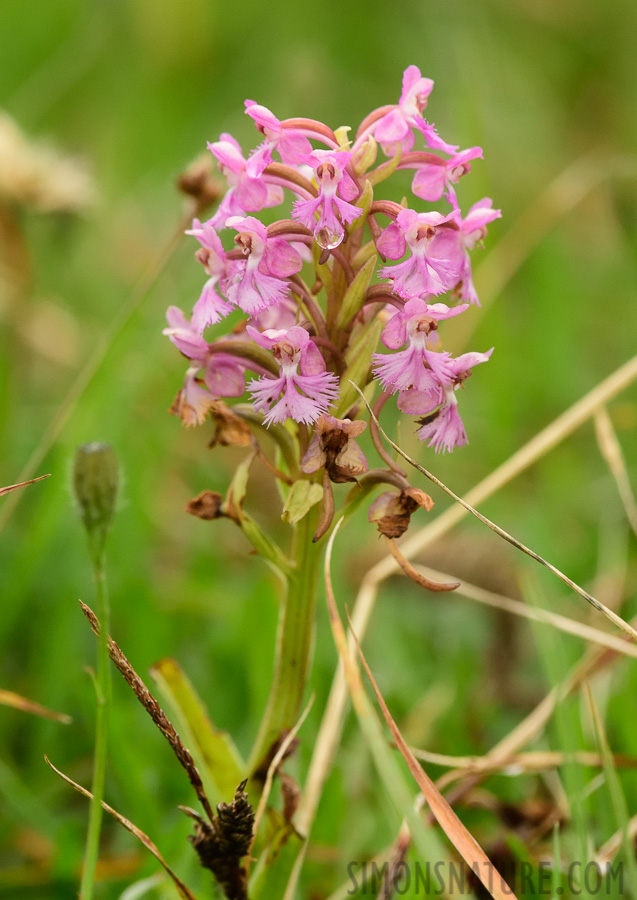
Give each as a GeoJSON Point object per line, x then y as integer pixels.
{"type": "Point", "coordinates": [256, 270]}
{"type": "Point", "coordinates": [396, 127]}
{"type": "Point", "coordinates": [223, 373]}
{"type": "Point", "coordinates": [291, 143]}
{"type": "Point", "coordinates": [246, 193]}
{"type": "Point", "coordinates": [260, 280]}
{"type": "Point", "coordinates": [435, 260]}
{"type": "Point", "coordinates": [304, 389]}
{"type": "Point", "coordinates": [436, 176]}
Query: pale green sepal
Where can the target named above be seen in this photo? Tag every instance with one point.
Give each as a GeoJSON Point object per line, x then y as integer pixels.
{"type": "Point", "coordinates": [365, 203]}
{"type": "Point", "coordinates": [341, 135]}
{"type": "Point", "coordinates": [218, 760]}
{"type": "Point", "coordinates": [355, 294]}
{"type": "Point", "coordinates": [385, 170]}
{"type": "Point", "coordinates": [302, 497]}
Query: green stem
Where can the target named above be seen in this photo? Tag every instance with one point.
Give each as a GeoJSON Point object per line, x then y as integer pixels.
{"type": "Point", "coordinates": [103, 696]}
{"type": "Point", "coordinates": [295, 642]}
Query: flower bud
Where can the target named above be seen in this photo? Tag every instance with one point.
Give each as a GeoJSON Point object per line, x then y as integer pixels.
{"type": "Point", "coordinates": [95, 482]}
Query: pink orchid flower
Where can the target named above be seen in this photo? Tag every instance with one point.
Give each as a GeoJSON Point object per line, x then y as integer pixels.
{"type": "Point", "coordinates": [291, 143]}
{"type": "Point", "coordinates": [260, 280]}
{"type": "Point", "coordinates": [246, 193]}
{"type": "Point", "coordinates": [336, 187]}
{"type": "Point", "coordinates": [304, 389]}
{"type": "Point", "coordinates": [417, 366]}
{"type": "Point", "coordinates": [436, 258]}
{"type": "Point", "coordinates": [396, 126]}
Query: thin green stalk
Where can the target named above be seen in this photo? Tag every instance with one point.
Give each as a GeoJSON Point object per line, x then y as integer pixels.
{"type": "Point", "coordinates": [103, 696]}
{"type": "Point", "coordinates": [295, 642]}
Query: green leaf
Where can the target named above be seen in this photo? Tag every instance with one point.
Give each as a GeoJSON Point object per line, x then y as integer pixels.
{"type": "Point", "coordinates": [365, 203]}
{"type": "Point", "coordinates": [264, 546]}
{"type": "Point", "coordinates": [302, 497]}
{"type": "Point", "coordinates": [359, 359]}
{"type": "Point", "coordinates": [386, 170]}
{"type": "Point", "coordinates": [213, 750]}
{"type": "Point", "coordinates": [355, 294]}
{"type": "Point", "coordinates": [239, 484]}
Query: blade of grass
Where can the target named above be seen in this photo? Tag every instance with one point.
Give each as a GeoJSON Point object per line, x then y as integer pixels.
{"type": "Point", "coordinates": [612, 452]}
{"type": "Point", "coordinates": [617, 798]}
{"type": "Point", "coordinates": [277, 759]}
{"type": "Point", "coordinates": [456, 832]}
{"type": "Point", "coordinates": [461, 838]}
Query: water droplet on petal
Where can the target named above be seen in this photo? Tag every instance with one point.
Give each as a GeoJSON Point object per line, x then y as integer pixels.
{"type": "Point", "coordinates": [329, 238]}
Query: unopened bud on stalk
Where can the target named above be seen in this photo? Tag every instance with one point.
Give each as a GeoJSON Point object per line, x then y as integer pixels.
{"type": "Point", "coordinates": [95, 482]}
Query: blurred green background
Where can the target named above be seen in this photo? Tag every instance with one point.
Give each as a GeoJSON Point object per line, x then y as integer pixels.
{"type": "Point", "coordinates": [134, 88]}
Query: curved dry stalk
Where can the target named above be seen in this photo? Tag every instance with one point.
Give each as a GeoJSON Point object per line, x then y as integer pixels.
{"type": "Point", "coordinates": [612, 452]}
{"type": "Point", "coordinates": [597, 604]}
{"type": "Point", "coordinates": [277, 759]}
{"type": "Point", "coordinates": [417, 575]}
{"type": "Point", "coordinates": [519, 763]}
{"type": "Point", "coordinates": [517, 608]}
{"type": "Point", "coordinates": [544, 441]}
{"type": "Point", "coordinates": [182, 889]}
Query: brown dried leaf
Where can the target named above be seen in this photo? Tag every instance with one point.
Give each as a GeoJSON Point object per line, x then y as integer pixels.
{"type": "Point", "coordinates": [206, 505]}
{"type": "Point", "coordinates": [8, 698]}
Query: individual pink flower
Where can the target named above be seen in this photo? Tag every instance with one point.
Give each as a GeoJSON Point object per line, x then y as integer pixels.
{"type": "Point", "coordinates": [224, 374]}
{"type": "Point", "coordinates": [210, 307]}
{"type": "Point", "coordinates": [291, 143]}
{"type": "Point", "coordinates": [303, 389]}
{"type": "Point", "coordinates": [435, 176]}
{"type": "Point", "coordinates": [473, 228]}
{"type": "Point", "coordinates": [436, 256]}
{"type": "Point", "coordinates": [396, 126]}
{"type": "Point", "coordinates": [193, 401]}
{"type": "Point", "coordinates": [246, 193]}
{"type": "Point", "coordinates": [260, 282]}
{"type": "Point", "coordinates": [443, 427]}
{"type": "Point", "coordinates": [417, 366]}
{"type": "Point", "coordinates": [336, 187]}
